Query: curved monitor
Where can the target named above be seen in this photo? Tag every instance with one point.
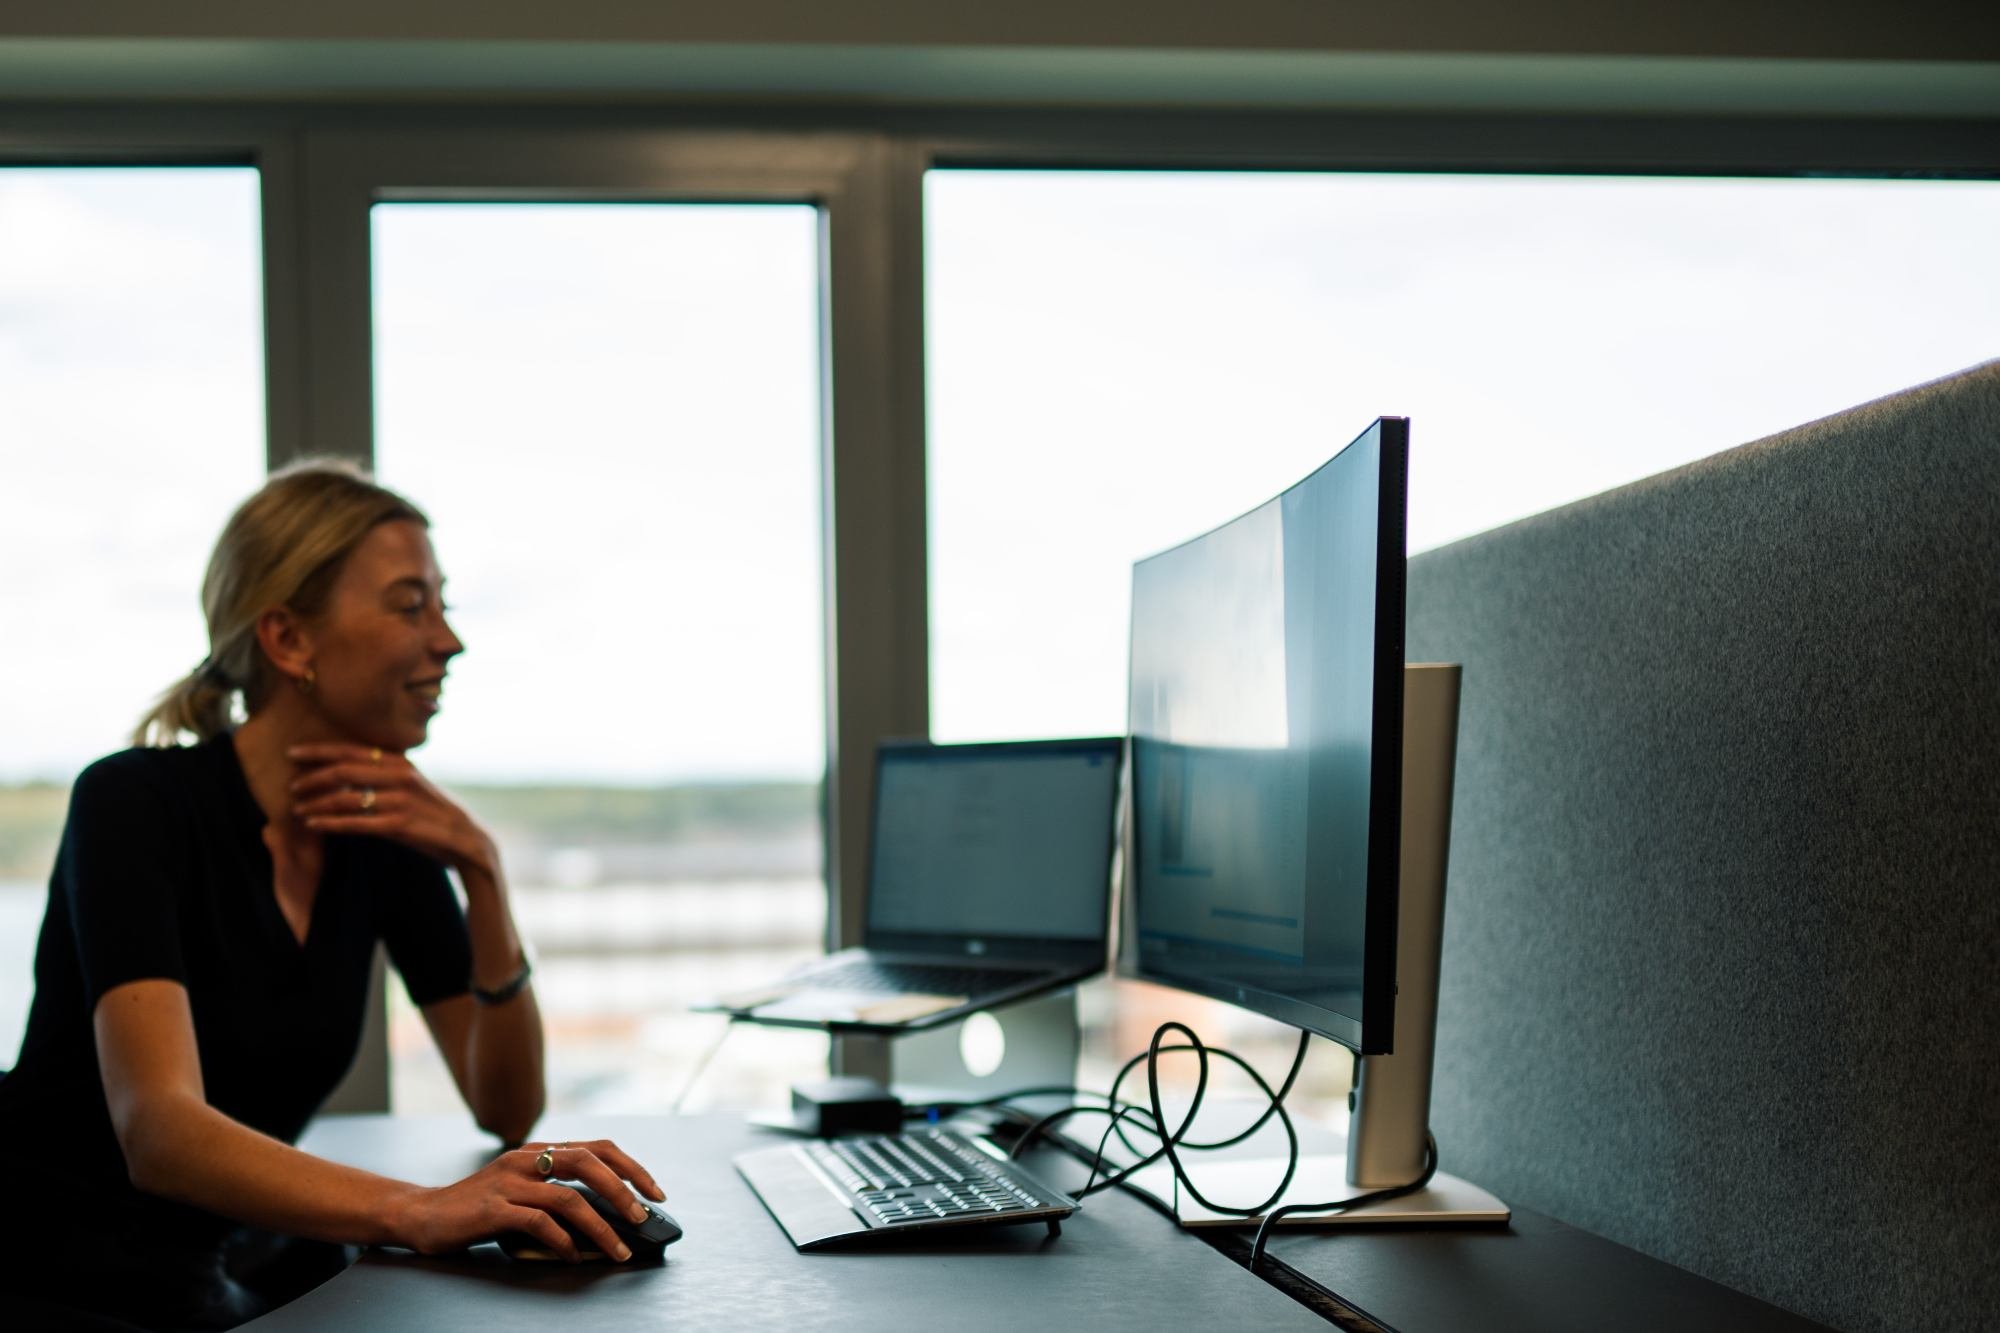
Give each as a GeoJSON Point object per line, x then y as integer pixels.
{"type": "Point", "coordinates": [1266, 712]}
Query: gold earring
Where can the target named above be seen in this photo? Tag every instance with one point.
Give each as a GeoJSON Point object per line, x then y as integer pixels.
{"type": "Point", "coordinates": [307, 681]}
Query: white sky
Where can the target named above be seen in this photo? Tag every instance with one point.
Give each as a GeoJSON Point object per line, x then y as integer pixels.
{"type": "Point", "coordinates": [131, 422]}
{"type": "Point", "coordinates": [611, 413]}
{"type": "Point", "coordinates": [1121, 361]}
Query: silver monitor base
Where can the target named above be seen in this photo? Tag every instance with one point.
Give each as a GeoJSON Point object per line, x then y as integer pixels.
{"type": "Point", "coordinates": [1320, 1178]}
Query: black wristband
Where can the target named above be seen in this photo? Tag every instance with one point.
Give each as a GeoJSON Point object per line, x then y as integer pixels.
{"type": "Point", "coordinates": [509, 989]}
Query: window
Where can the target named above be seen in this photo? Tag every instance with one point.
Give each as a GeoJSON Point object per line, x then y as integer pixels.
{"type": "Point", "coordinates": [1114, 361]}
{"type": "Point", "coordinates": [131, 424]}
{"type": "Point", "coordinates": [611, 414]}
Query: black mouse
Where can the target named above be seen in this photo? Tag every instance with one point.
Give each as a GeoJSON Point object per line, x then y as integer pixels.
{"type": "Point", "coordinates": [647, 1239]}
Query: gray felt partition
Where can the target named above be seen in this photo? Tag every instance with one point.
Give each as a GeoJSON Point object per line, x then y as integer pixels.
{"type": "Point", "coordinates": [1721, 974]}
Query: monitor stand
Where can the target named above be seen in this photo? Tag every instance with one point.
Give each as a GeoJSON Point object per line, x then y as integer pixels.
{"type": "Point", "coordinates": [1320, 1179]}
{"type": "Point", "coordinates": [1389, 1108]}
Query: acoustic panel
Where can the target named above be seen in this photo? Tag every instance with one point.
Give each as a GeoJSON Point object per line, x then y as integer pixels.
{"type": "Point", "coordinates": [1721, 975]}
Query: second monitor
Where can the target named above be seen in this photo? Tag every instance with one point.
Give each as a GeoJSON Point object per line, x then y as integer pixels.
{"type": "Point", "coordinates": [1267, 722]}
{"type": "Point", "coordinates": [1291, 809]}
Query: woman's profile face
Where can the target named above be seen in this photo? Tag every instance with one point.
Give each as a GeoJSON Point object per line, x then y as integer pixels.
{"type": "Point", "coordinates": [380, 647]}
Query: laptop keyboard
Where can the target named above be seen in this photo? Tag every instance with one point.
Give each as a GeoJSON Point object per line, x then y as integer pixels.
{"type": "Point", "coordinates": [918, 978]}
{"type": "Point", "coordinates": [928, 1176]}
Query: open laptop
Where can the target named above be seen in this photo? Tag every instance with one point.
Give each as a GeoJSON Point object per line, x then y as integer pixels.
{"type": "Point", "coordinates": [989, 880]}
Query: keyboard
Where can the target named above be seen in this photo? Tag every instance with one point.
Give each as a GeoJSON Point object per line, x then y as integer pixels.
{"type": "Point", "coordinates": [824, 1192]}
{"type": "Point", "coordinates": [918, 978]}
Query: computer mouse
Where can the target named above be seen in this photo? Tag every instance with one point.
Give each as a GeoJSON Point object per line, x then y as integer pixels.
{"type": "Point", "coordinates": [647, 1239]}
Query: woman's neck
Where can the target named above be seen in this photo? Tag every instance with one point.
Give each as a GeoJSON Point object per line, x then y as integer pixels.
{"type": "Point", "coordinates": [262, 749]}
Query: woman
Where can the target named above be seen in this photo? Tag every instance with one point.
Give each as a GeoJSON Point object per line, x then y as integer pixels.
{"type": "Point", "coordinates": [202, 970]}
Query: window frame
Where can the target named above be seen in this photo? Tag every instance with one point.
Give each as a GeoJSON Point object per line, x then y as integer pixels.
{"type": "Point", "coordinates": [94, 138]}
{"type": "Point", "coordinates": [874, 599]}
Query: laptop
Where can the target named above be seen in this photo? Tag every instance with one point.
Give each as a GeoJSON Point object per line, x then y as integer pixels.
{"type": "Point", "coordinates": [989, 881]}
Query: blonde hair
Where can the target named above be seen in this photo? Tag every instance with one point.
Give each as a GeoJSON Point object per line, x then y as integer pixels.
{"type": "Point", "coordinates": [284, 546]}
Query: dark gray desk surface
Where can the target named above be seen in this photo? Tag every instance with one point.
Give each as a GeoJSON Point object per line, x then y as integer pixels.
{"type": "Point", "coordinates": [1116, 1264]}
{"type": "Point", "coordinates": [1535, 1273]}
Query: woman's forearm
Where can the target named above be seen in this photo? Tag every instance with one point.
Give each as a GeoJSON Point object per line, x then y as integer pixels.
{"type": "Point", "coordinates": [504, 1066]}
{"type": "Point", "coordinates": [183, 1149]}
{"type": "Point", "coordinates": [504, 1046]}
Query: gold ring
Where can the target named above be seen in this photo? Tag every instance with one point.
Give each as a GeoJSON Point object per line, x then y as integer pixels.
{"type": "Point", "coordinates": [367, 799]}
{"type": "Point", "coordinates": [375, 755]}
{"type": "Point", "coordinates": [545, 1163]}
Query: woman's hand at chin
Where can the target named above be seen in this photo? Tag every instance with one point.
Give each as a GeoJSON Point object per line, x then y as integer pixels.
{"type": "Point", "coordinates": [345, 788]}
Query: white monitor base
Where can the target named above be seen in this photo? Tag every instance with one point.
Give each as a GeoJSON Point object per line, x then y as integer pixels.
{"type": "Point", "coordinates": [1446, 1199]}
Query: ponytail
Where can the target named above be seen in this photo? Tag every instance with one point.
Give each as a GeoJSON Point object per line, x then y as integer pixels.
{"type": "Point", "coordinates": [199, 703]}
{"type": "Point", "coordinates": [283, 546]}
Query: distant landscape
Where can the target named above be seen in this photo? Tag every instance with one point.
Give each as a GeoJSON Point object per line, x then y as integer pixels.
{"type": "Point", "coordinates": [739, 828]}
{"type": "Point", "coordinates": [639, 901]}
{"type": "Point", "coordinates": [31, 819]}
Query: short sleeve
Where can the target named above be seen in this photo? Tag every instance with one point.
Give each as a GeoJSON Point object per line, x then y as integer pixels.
{"type": "Point", "coordinates": [424, 927]}
{"type": "Point", "coordinates": [121, 850]}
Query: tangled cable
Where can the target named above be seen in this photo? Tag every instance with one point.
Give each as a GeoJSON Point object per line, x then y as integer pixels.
{"type": "Point", "coordinates": [1150, 1121]}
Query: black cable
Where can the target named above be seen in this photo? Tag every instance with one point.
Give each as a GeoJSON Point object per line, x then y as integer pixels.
{"type": "Point", "coordinates": [1090, 1185]}
{"type": "Point", "coordinates": [1275, 1105]}
{"type": "Point", "coordinates": [1117, 1110]}
{"type": "Point", "coordinates": [1272, 1107]}
{"type": "Point", "coordinates": [1178, 1138]}
{"type": "Point", "coordinates": [1372, 1196]}
{"type": "Point", "coordinates": [1284, 1090]}
{"type": "Point", "coordinates": [1171, 1144]}
{"type": "Point", "coordinates": [936, 1110]}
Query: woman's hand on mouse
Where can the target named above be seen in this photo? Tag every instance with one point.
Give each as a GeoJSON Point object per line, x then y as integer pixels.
{"type": "Point", "coordinates": [510, 1193]}
{"type": "Point", "coordinates": [343, 788]}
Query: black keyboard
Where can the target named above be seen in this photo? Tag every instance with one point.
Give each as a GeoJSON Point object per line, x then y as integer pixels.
{"type": "Point", "coordinates": [826, 1191]}
{"type": "Point", "coordinates": [919, 978]}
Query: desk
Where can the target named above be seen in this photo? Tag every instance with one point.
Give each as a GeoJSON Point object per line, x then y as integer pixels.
{"type": "Point", "coordinates": [1533, 1274]}
{"type": "Point", "coordinates": [1117, 1264]}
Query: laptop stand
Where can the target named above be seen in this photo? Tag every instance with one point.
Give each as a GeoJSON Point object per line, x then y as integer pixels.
{"type": "Point", "coordinates": [1030, 1044]}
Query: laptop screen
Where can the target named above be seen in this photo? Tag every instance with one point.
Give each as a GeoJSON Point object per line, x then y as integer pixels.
{"type": "Point", "coordinates": [1003, 840]}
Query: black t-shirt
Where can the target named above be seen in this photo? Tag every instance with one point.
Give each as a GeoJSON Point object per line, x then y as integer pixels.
{"type": "Point", "coordinates": [163, 872]}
